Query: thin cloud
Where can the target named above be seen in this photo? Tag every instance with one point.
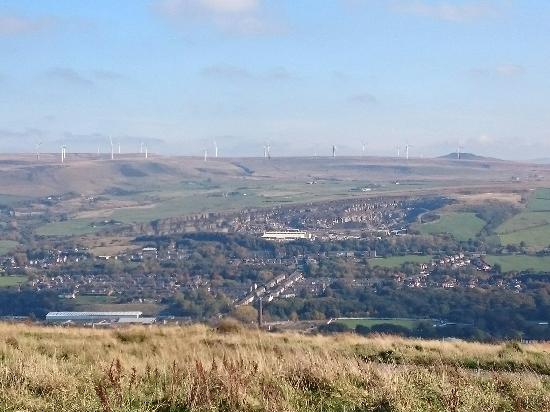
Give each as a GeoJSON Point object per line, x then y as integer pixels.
{"type": "Point", "coordinates": [446, 10]}
{"type": "Point", "coordinates": [69, 76]}
{"type": "Point", "coordinates": [230, 72]}
{"type": "Point", "coordinates": [364, 99]}
{"type": "Point", "coordinates": [243, 17]}
{"type": "Point", "coordinates": [107, 75]}
{"type": "Point", "coordinates": [11, 25]}
{"type": "Point", "coordinates": [500, 71]}
{"type": "Point", "coordinates": [226, 72]}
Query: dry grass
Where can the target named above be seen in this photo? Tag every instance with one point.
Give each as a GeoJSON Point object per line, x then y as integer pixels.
{"type": "Point", "coordinates": [201, 369]}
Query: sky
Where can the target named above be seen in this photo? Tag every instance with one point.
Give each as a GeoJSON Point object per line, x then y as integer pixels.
{"type": "Point", "coordinates": [299, 75]}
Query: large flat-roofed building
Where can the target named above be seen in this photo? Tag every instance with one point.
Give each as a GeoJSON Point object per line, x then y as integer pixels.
{"type": "Point", "coordinates": [91, 317]}
{"type": "Point", "coordinates": [286, 235]}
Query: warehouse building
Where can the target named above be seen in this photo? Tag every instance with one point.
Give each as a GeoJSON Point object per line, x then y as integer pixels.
{"type": "Point", "coordinates": [93, 317]}
{"type": "Point", "coordinates": [286, 235]}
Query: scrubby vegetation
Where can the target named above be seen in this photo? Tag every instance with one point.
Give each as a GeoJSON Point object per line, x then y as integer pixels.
{"type": "Point", "coordinates": [202, 369]}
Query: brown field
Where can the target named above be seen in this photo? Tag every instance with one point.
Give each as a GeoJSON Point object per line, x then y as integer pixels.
{"type": "Point", "coordinates": [200, 369]}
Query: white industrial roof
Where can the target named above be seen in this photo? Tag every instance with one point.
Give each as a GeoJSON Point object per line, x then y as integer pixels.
{"type": "Point", "coordinates": [76, 314]}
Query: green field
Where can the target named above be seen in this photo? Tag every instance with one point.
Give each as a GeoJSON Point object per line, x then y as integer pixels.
{"type": "Point", "coordinates": [531, 226]}
{"type": "Point", "coordinates": [462, 226]}
{"type": "Point", "coordinates": [370, 322]}
{"type": "Point", "coordinates": [7, 281]}
{"type": "Point", "coordinates": [398, 261]}
{"type": "Point", "coordinates": [72, 227]}
{"type": "Point", "coordinates": [6, 246]}
{"type": "Point", "coordinates": [540, 201]}
{"type": "Point", "coordinates": [518, 263]}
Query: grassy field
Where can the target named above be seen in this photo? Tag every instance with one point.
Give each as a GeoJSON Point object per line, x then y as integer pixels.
{"type": "Point", "coordinates": [520, 263]}
{"type": "Point", "coordinates": [8, 281]}
{"type": "Point", "coordinates": [72, 227]}
{"type": "Point", "coordinates": [531, 226]}
{"type": "Point", "coordinates": [200, 369]}
{"type": "Point", "coordinates": [6, 246]}
{"type": "Point", "coordinates": [462, 226]}
{"type": "Point", "coordinates": [397, 261]}
{"type": "Point", "coordinates": [370, 322]}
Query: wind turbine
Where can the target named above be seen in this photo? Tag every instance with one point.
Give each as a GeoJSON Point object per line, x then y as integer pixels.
{"type": "Point", "coordinates": [265, 152]}
{"type": "Point", "coordinates": [268, 151]}
{"type": "Point", "coordinates": [215, 149]}
{"type": "Point", "coordinates": [205, 154]}
{"type": "Point", "coordinates": [398, 151]}
{"type": "Point", "coordinates": [112, 148]}
{"type": "Point", "coordinates": [63, 153]}
{"type": "Point", "coordinates": [407, 147]}
{"type": "Point", "coordinates": [141, 148]}
{"type": "Point", "coordinates": [38, 150]}
{"type": "Point", "coordinates": [459, 149]}
{"type": "Point", "coordinates": [363, 148]}
{"type": "Point", "coordinates": [146, 152]}
{"type": "Point", "coordinates": [118, 147]}
{"type": "Point", "coordinates": [333, 150]}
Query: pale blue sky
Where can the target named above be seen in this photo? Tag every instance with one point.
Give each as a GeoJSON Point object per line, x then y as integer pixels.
{"type": "Point", "coordinates": [301, 74]}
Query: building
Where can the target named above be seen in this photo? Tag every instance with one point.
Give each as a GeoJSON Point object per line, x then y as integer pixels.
{"type": "Point", "coordinates": [91, 317]}
{"type": "Point", "coordinates": [283, 235]}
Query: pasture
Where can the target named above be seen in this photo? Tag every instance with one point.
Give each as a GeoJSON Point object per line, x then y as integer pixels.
{"type": "Point", "coordinates": [531, 226]}
{"type": "Point", "coordinates": [370, 322]}
{"type": "Point", "coordinates": [520, 263]}
{"type": "Point", "coordinates": [397, 261]}
{"type": "Point", "coordinates": [6, 246]}
{"type": "Point", "coordinates": [460, 225]}
{"type": "Point", "coordinates": [9, 281]}
{"type": "Point", "coordinates": [71, 227]}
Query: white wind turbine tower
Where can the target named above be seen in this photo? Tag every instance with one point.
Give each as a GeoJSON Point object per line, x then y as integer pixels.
{"type": "Point", "coordinates": [118, 147]}
{"type": "Point", "coordinates": [268, 151]}
{"type": "Point", "coordinates": [38, 150]}
{"type": "Point", "coordinates": [205, 154]}
{"type": "Point", "coordinates": [265, 152]}
{"type": "Point", "coordinates": [459, 149]}
{"type": "Point", "coordinates": [141, 147]}
{"type": "Point", "coordinates": [146, 152]}
{"type": "Point", "coordinates": [63, 153]}
{"type": "Point", "coordinates": [333, 150]}
{"type": "Point", "coordinates": [407, 147]}
{"type": "Point", "coordinates": [398, 151]}
{"type": "Point", "coordinates": [363, 148]}
{"type": "Point", "coordinates": [112, 148]}
{"type": "Point", "coordinates": [215, 149]}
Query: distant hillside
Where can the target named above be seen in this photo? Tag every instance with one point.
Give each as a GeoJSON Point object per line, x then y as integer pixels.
{"type": "Point", "coordinates": [466, 156]}
{"type": "Point", "coordinates": [198, 369]}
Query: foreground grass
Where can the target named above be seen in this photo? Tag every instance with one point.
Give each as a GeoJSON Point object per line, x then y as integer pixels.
{"type": "Point", "coordinates": [200, 369]}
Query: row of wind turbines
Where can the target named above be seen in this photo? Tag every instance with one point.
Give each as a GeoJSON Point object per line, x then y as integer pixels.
{"type": "Point", "coordinates": [144, 150]}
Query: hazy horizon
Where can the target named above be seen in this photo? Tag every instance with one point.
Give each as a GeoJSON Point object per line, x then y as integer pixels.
{"type": "Point", "coordinates": [301, 76]}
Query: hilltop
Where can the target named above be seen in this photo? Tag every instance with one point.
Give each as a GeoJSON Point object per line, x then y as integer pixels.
{"type": "Point", "coordinates": [22, 175]}
{"type": "Point", "coordinates": [467, 156]}
{"type": "Point", "coordinates": [197, 368]}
